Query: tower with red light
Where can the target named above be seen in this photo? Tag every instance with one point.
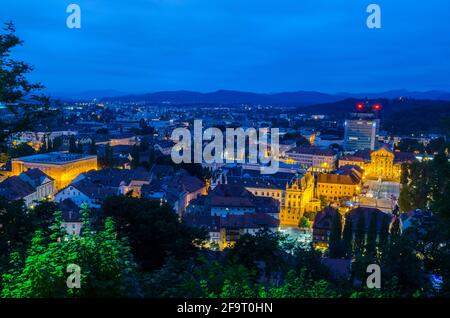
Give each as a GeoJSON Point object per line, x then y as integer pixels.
{"type": "Point", "coordinates": [376, 107]}
{"type": "Point", "coordinates": [366, 107]}
{"type": "Point", "coordinates": [361, 128]}
{"type": "Point", "coordinates": [360, 107]}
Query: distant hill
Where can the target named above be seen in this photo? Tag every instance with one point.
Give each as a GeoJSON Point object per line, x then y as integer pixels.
{"type": "Point", "coordinates": [87, 95]}
{"type": "Point", "coordinates": [403, 116]}
{"type": "Point", "coordinates": [389, 106]}
{"type": "Point", "coordinates": [230, 98]}
{"type": "Point", "coordinates": [430, 95]}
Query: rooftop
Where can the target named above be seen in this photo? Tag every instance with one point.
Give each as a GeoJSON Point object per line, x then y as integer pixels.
{"type": "Point", "coordinates": [312, 151]}
{"type": "Point", "coordinates": [57, 158]}
{"type": "Point", "coordinates": [15, 188]}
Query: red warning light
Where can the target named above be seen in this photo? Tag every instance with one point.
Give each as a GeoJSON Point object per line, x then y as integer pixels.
{"type": "Point", "coordinates": [360, 106]}
{"type": "Point", "coordinates": [377, 107]}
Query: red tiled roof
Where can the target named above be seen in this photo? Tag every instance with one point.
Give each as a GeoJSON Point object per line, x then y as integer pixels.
{"type": "Point", "coordinates": [349, 179]}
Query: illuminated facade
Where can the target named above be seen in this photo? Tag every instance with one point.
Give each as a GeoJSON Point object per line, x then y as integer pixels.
{"type": "Point", "coordinates": [61, 166]}
{"type": "Point", "coordinates": [349, 160]}
{"type": "Point", "coordinates": [36, 139]}
{"type": "Point", "coordinates": [361, 129]}
{"type": "Point", "coordinates": [336, 186]}
{"type": "Point", "coordinates": [295, 193]}
{"type": "Point", "coordinates": [316, 159]}
{"type": "Point", "coordinates": [360, 134]}
{"type": "Point", "coordinates": [299, 198]}
{"type": "Point", "coordinates": [382, 166]}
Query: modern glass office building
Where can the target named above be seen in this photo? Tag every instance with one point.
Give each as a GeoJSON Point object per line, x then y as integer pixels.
{"type": "Point", "coordinates": [360, 132]}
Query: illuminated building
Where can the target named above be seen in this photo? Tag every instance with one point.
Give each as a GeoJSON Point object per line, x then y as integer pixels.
{"type": "Point", "coordinates": [349, 160]}
{"type": "Point", "coordinates": [322, 227]}
{"type": "Point", "coordinates": [271, 186]}
{"type": "Point", "coordinates": [382, 166]}
{"type": "Point", "coordinates": [229, 211]}
{"type": "Point", "coordinates": [179, 190]}
{"type": "Point", "coordinates": [294, 192]}
{"type": "Point", "coordinates": [36, 139]}
{"type": "Point", "coordinates": [94, 186]}
{"type": "Point", "coordinates": [360, 134]}
{"type": "Point", "coordinates": [361, 129]}
{"type": "Point", "coordinates": [313, 158]}
{"type": "Point", "coordinates": [345, 183]}
{"type": "Point", "coordinates": [299, 197]}
{"type": "Point", "coordinates": [30, 186]}
{"type": "Point", "coordinates": [225, 231]}
{"type": "Point", "coordinates": [61, 166]}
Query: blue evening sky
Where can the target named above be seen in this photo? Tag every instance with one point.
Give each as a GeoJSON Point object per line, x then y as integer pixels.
{"type": "Point", "coordinates": [254, 45]}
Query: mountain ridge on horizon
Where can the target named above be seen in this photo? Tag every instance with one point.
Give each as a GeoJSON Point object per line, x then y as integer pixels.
{"type": "Point", "coordinates": [223, 96]}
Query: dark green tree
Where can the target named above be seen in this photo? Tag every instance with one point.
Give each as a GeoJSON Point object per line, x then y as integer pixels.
{"type": "Point", "coordinates": [72, 144]}
{"type": "Point", "coordinates": [372, 234]}
{"type": "Point", "coordinates": [21, 150]}
{"type": "Point", "coordinates": [146, 223]}
{"type": "Point", "coordinates": [403, 262]}
{"type": "Point", "coordinates": [106, 158]}
{"type": "Point", "coordinates": [42, 214]}
{"type": "Point", "coordinates": [79, 147]}
{"type": "Point", "coordinates": [347, 237]}
{"type": "Point", "coordinates": [57, 143]}
{"type": "Point", "coordinates": [439, 188]}
{"type": "Point", "coordinates": [107, 267]}
{"type": "Point", "coordinates": [360, 235]}
{"type": "Point", "coordinates": [260, 250]}
{"type": "Point", "coordinates": [410, 145]}
{"type": "Point", "coordinates": [335, 242]}
{"type": "Point", "coordinates": [383, 238]}
{"type": "Point", "coordinates": [144, 145]}
{"type": "Point", "coordinates": [438, 145]}
{"type": "Point", "coordinates": [16, 229]}
{"type": "Point", "coordinates": [93, 148]}
{"type": "Point", "coordinates": [18, 94]}
{"type": "Point", "coordinates": [135, 156]}
{"type": "Point", "coordinates": [301, 285]}
{"type": "Point", "coordinates": [304, 222]}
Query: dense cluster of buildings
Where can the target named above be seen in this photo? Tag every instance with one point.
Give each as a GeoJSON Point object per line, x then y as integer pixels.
{"type": "Point", "coordinates": [327, 177]}
{"type": "Point", "coordinates": [229, 211]}
{"type": "Point", "coordinates": [380, 164]}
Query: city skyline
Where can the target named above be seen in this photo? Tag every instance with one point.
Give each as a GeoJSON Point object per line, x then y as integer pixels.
{"type": "Point", "coordinates": [195, 150]}
{"type": "Point", "coordinates": [203, 46]}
